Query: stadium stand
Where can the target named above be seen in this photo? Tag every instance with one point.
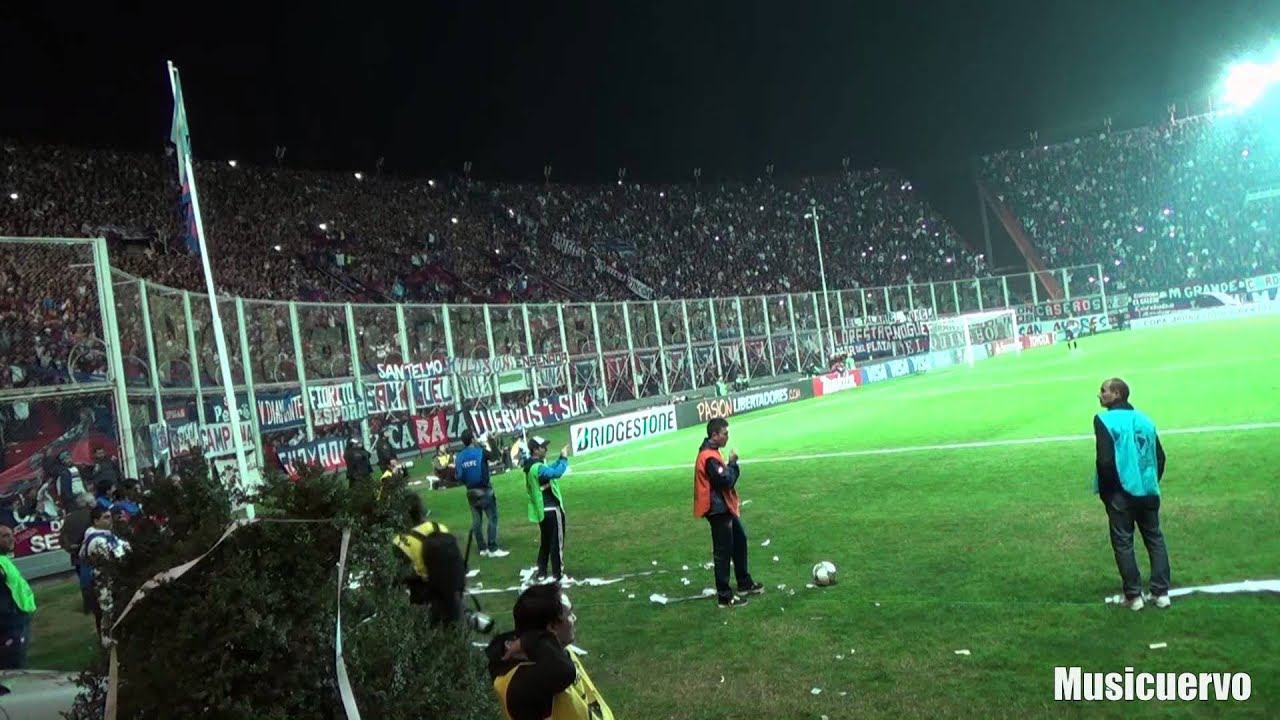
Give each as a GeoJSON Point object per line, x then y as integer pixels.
{"type": "Point", "coordinates": [1164, 205]}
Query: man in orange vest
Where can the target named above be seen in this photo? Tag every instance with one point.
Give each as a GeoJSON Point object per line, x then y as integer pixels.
{"type": "Point", "coordinates": [715, 497]}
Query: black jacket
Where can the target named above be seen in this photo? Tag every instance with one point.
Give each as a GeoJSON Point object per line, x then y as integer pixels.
{"type": "Point", "coordinates": [358, 467]}
{"type": "Point", "coordinates": [385, 452]}
{"type": "Point", "coordinates": [533, 687]}
{"type": "Point", "coordinates": [1108, 474]}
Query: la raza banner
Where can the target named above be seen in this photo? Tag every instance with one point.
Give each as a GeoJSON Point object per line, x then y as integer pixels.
{"type": "Point", "coordinates": [415, 436]}
{"type": "Point", "coordinates": [698, 412]}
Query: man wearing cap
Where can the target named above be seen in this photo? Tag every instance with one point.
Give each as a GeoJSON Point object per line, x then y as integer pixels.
{"type": "Point", "coordinates": [546, 506]}
{"type": "Point", "coordinates": [471, 468]}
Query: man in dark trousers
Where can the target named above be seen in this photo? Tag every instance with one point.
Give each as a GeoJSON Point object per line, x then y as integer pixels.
{"type": "Point", "coordinates": [17, 606]}
{"type": "Point", "coordinates": [546, 505]}
{"type": "Point", "coordinates": [715, 497]}
{"type": "Point", "coordinates": [1130, 465]}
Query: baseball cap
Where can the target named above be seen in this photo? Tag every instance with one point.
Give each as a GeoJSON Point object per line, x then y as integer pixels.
{"type": "Point", "coordinates": [538, 441]}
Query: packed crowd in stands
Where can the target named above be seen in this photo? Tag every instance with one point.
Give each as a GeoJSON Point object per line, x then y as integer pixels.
{"type": "Point", "coordinates": [279, 233]}
{"type": "Point", "coordinates": [1159, 206]}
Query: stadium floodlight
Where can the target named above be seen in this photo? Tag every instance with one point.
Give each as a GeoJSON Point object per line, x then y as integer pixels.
{"type": "Point", "coordinates": [1247, 82]}
{"type": "Point", "coordinates": [232, 163]}
{"type": "Point", "coordinates": [359, 176]}
{"type": "Point", "coordinates": [13, 196]}
{"type": "Point", "coordinates": [996, 331]}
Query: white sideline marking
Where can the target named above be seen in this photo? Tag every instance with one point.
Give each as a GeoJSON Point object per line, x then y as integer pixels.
{"type": "Point", "coordinates": [879, 389]}
{"type": "Point", "coordinates": [1245, 427]}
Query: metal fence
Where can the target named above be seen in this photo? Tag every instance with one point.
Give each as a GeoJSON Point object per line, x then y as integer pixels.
{"type": "Point", "coordinates": [136, 344]}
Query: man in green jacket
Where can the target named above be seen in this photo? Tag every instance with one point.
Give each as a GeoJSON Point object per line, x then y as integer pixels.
{"type": "Point", "coordinates": [17, 605]}
{"type": "Point", "coordinates": [546, 506]}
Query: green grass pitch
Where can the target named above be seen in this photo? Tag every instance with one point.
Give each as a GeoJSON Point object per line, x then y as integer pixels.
{"type": "Point", "coordinates": [958, 508]}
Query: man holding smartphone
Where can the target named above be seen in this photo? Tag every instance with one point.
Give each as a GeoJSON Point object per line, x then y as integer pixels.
{"type": "Point", "coordinates": [715, 497]}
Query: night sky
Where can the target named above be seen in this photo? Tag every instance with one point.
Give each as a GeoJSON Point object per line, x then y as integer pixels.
{"type": "Point", "coordinates": [656, 87]}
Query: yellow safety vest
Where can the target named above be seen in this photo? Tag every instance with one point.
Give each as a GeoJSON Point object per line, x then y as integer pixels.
{"type": "Point", "coordinates": [580, 701]}
{"type": "Point", "coordinates": [412, 546]}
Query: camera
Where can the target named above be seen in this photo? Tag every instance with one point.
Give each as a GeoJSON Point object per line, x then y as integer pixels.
{"type": "Point", "coordinates": [479, 622]}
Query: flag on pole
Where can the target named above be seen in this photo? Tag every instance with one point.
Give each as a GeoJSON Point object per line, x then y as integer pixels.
{"type": "Point", "coordinates": [181, 139]}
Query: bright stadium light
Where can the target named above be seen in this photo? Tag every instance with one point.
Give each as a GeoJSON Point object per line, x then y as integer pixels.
{"type": "Point", "coordinates": [13, 196]}
{"type": "Point", "coordinates": [324, 226]}
{"type": "Point", "coordinates": [1247, 82]}
{"type": "Point", "coordinates": [232, 163]}
{"type": "Point", "coordinates": [359, 176]}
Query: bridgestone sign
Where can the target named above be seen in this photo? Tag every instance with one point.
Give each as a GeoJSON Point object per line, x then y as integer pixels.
{"type": "Point", "coordinates": [622, 429]}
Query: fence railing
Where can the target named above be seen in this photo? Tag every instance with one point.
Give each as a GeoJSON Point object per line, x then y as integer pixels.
{"type": "Point", "coordinates": [329, 369]}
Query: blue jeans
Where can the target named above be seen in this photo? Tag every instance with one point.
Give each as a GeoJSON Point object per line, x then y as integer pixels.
{"type": "Point", "coordinates": [484, 502]}
{"type": "Point", "coordinates": [1124, 511]}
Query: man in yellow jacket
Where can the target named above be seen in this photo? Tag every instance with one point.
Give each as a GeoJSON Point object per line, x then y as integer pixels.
{"type": "Point", "coordinates": [434, 569]}
{"type": "Point", "coordinates": [534, 675]}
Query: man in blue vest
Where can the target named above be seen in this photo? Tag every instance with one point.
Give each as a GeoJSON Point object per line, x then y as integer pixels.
{"type": "Point", "coordinates": [471, 468]}
{"type": "Point", "coordinates": [1130, 464]}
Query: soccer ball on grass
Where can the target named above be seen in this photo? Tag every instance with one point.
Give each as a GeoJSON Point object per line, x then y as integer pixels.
{"type": "Point", "coordinates": [824, 574]}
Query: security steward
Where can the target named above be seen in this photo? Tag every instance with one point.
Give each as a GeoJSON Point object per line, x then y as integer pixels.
{"type": "Point", "coordinates": [534, 674]}
{"type": "Point", "coordinates": [434, 569]}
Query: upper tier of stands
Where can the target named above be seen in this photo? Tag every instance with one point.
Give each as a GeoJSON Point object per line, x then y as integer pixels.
{"type": "Point", "coordinates": [279, 233]}
{"type": "Point", "coordinates": [1159, 206]}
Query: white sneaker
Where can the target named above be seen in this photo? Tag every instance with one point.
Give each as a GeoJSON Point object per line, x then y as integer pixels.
{"type": "Point", "coordinates": [484, 553]}
{"type": "Point", "coordinates": [499, 553]}
{"type": "Point", "coordinates": [1134, 604]}
{"type": "Point", "coordinates": [1162, 601]}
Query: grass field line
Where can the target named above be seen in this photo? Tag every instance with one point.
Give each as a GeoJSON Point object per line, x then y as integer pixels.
{"type": "Point", "coordinates": [881, 389]}
{"type": "Point", "coordinates": [1243, 427]}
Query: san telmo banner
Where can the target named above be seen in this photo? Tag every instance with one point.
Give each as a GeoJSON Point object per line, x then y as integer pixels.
{"type": "Point", "coordinates": [470, 366]}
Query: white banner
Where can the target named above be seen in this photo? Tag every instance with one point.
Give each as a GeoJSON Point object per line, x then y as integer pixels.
{"type": "Point", "coordinates": [1226, 312]}
{"type": "Point", "coordinates": [610, 432]}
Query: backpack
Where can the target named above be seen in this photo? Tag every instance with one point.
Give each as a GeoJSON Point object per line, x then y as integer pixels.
{"type": "Point", "coordinates": [446, 568]}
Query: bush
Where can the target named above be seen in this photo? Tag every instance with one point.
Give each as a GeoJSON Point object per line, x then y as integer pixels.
{"type": "Point", "coordinates": [249, 633]}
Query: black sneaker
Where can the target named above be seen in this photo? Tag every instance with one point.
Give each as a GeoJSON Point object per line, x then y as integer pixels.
{"type": "Point", "coordinates": [754, 588]}
{"type": "Point", "coordinates": [732, 602]}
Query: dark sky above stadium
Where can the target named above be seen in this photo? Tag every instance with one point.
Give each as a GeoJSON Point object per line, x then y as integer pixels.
{"type": "Point", "coordinates": [658, 87]}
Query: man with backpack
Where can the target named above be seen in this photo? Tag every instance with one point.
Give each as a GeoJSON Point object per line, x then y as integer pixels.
{"type": "Point", "coordinates": [436, 572]}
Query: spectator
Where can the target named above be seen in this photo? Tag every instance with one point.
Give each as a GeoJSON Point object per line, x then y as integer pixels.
{"type": "Point", "coordinates": [17, 606]}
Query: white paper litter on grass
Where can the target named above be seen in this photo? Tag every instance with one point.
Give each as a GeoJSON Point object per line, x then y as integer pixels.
{"type": "Point", "coordinates": [816, 691]}
{"type": "Point", "coordinates": [766, 542]}
{"type": "Point", "coordinates": [810, 585]}
{"type": "Point", "coordinates": [473, 573]}
{"type": "Point", "coordinates": [655, 563]}
{"type": "Point", "coordinates": [684, 568]}
{"type": "Point", "coordinates": [684, 581]}
{"type": "Point", "coordinates": [745, 503]}
{"type": "Point", "coordinates": [843, 693]}
{"type": "Point", "coordinates": [631, 596]}
{"type": "Point", "coordinates": [962, 652]}
{"type": "Point", "coordinates": [721, 678]}
{"type": "Point", "coordinates": [839, 657]}
{"type": "Point", "coordinates": [479, 645]}
{"type": "Point", "coordinates": [782, 586]}
{"type": "Point", "coordinates": [1157, 646]}
{"type": "Point", "coordinates": [708, 592]}
{"type": "Point", "coordinates": [658, 598]}
{"type": "Point", "coordinates": [708, 566]}
{"type": "Point", "coordinates": [775, 558]}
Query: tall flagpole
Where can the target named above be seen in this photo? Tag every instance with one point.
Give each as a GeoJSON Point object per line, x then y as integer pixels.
{"type": "Point", "coordinates": [247, 481]}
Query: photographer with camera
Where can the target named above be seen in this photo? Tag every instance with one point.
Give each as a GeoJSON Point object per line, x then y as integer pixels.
{"type": "Point", "coordinates": [534, 674]}
{"type": "Point", "coordinates": [435, 570]}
